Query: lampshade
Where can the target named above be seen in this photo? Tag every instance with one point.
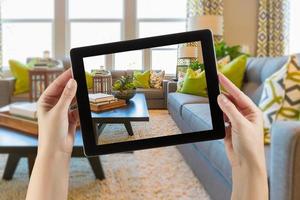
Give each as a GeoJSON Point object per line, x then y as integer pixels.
{"type": "Point", "coordinates": [212, 22]}
{"type": "Point", "coordinates": [187, 52]}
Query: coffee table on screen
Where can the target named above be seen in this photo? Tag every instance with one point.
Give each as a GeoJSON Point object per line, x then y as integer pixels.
{"type": "Point", "coordinates": [18, 145]}
{"type": "Point", "coordinates": [136, 110]}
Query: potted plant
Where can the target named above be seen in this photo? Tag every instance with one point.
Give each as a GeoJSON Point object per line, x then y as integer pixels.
{"type": "Point", "coordinates": [124, 88]}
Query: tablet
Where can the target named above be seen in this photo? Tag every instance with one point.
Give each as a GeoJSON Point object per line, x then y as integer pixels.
{"type": "Point", "coordinates": [111, 124]}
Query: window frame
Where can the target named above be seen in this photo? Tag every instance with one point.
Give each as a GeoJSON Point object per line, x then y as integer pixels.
{"type": "Point", "coordinates": [28, 20]}
{"type": "Point", "coordinates": [61, 29]}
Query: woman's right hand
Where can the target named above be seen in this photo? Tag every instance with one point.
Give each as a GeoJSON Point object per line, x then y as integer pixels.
{"type": "Point", "coordinates": [244, 143]}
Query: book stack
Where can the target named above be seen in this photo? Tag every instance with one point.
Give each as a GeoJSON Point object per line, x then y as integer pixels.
{"type": "Point", "coordinates": [100, 102]}
{"type": "Point", "coordinates": [24, 109]}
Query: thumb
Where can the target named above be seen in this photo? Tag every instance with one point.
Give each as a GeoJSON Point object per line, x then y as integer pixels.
{"type": "Point", "coordinates": [67, 95]}
{"type": "Point", "coordinates": [229, 109]}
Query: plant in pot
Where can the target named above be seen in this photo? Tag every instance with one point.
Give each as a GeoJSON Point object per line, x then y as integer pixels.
{"type": "Point", "coordinates": [124, 88]}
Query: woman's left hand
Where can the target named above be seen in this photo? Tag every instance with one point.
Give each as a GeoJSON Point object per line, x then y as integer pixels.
{"type": "Point", "coordinates": [57, 124]}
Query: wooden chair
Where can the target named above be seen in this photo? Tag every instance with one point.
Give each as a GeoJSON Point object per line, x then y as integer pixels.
{"type": "Point", "coordinates": [40, 79]}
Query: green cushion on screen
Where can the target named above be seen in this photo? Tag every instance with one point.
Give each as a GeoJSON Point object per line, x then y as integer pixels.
{"type": "Point", "coordinates": [235, 70]}
{"type": "Point", "coordinates": [89, 80]}
{"type": "Point", "coordinates": [21, 73]}
{"type": "Point", "coordinates": [194, 83]}
{"type": "Point", "coordinates": [141, 80]}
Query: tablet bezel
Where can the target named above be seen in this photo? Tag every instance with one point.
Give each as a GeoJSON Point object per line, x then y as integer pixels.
{"type": "Point", "coordinates": [90, 146]}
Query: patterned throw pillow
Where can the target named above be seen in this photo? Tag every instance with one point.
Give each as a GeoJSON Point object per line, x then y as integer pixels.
{"type": "Point", "coordinates": [272, 98]}
{"type": "Point", "coordinates": [156, 79]}
{"type": "Point", "coordinates": [290, 109]}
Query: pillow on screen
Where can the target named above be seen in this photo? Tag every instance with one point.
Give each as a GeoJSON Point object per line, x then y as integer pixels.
{"type": "Point", "coordinates": [21, 73]}
{"type": "Point", "coordinates": [194, 83]}
{"type": "Point", "coordinates": [89, 80]}
{"type": "Point", "coordinates": [156, 78]}
{"type": "Point", "coordinates": [141, 79]}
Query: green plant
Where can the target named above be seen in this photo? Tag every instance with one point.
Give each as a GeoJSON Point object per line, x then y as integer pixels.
{"type": "Point", "coordinates": [195, 65]}
{"type": "Point", "coordinates": [124, 83]}
{"type": "Point", "coordinates": [222, 50]}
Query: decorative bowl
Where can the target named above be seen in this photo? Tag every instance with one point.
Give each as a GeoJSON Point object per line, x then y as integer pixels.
{"type": "Point", "coordinates": [124, 94]}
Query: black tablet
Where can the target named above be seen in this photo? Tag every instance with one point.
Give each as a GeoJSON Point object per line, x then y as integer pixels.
{"type": "Point", "coordinates": [110, 124]}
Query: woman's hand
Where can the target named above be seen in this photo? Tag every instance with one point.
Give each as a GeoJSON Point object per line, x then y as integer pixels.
{"type": "Point", "coordinates": [57, 124]}
{"type": "Point", "coordinates": [244, 143]}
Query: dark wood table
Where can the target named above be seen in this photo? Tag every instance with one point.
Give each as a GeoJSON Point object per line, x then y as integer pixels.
{"type": "Point", "coordinates": [136, 110]}
{"type": "Point", "coordinates": [18, 145]}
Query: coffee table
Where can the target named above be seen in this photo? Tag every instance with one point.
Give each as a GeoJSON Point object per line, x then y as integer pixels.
{"type": "Point", "coordinates": [18, 145]}
{"type": "Point", "coordinates": [135, 110]}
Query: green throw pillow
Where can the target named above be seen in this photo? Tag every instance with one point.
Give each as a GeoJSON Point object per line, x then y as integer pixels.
{"type": "Point", "coordinates": [141, 80]}
{"type": "Point", "coordinates": [235, 70]}
{"type": "Point", "coordinates": [21, 73]}
{"type": "Point", "coordinates": [89, 80]}
{"type": "Point", "coordinates": [194, 83]}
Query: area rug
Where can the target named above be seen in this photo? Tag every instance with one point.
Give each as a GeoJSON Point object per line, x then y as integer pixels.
{"type": "Point", "coordinates": [160, 124]}
{"type": "Point", "coordinates": [143, 175]}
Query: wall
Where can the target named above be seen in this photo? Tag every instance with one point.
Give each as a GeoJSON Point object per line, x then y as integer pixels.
{"type": "Point", "coordinates": [240, 22]}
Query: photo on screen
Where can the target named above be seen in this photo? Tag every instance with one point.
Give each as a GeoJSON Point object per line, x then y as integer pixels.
{"type": "Point", "coordinates": [128, 89]}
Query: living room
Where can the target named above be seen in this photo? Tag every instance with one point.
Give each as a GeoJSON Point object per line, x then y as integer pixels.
{"type": "Point", "coordinates": [148, 93]}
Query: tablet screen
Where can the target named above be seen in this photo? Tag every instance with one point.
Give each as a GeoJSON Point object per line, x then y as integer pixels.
{"type": "Point", "coordinates": [148, 93]}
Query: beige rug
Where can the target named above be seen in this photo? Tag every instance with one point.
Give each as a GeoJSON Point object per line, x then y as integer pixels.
{"type": "Point", "coordinates": [160, 124]}
{"type": "Point", "coordinates": [144, 175]}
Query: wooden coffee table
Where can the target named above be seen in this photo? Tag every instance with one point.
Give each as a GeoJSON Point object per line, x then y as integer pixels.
{"type": "Point", "coordinates": [18, 145]}
{"type": "Point", "coordinates": [136, 110]}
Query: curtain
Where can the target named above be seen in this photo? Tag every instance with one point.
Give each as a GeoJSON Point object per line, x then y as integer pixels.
{"type": "Point", "coordinates": [205, 7]}
{"type": "Point", "coordinates": [1, 67]}
{"type": "Point", "coordinates": [273, 26]}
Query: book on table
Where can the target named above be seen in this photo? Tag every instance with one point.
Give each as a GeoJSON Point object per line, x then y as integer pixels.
{"type": "Point", "coordinates": [100, 97]}
{"type": "Point", "coordinates": [24, 109]}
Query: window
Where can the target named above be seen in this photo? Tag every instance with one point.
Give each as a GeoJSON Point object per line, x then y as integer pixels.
{"type": "Point", "coordinates": [158, 17]}
{"type": "Point", "coordinates": [294, 27]}
{"type": "Point", "coordinates": [26, 32]}
{"type": "Point", "coordinates": [32, 26]}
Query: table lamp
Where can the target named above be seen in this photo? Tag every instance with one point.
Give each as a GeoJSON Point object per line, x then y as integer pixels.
{"type": "Point", "coordinates": [185, 56]}
{"type": "Point", "coordinates": [212, 22]}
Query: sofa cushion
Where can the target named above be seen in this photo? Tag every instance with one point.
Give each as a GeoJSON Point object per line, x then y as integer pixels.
{"type": "Point", "coordinates": [259, 69]}
{"type": "Point", "coordinates": [197, 116]}
{"type": "Point", "coordinates": [253, 90]}
{"type": "Point", "coordinates": [151, 93]}
{"type": "Point", "coordinates": [215, 152]}
{"type": "Point", "coordinates": [177, 100]}
{"type": "Point", "coordinates": [116, 74]}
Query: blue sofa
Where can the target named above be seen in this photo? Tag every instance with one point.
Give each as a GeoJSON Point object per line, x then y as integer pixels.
{"type": "Point", "coordinates": [208, 159]}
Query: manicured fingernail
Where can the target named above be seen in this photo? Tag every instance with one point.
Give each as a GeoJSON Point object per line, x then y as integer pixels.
{"type": "Point", "coordinates": [70, 84]}
{"type": "Point", "coordinates": [223, 98]}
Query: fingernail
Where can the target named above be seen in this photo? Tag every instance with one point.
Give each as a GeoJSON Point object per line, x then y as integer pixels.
{"type": "Point", "coordinates": [70, 84]}
{"type": "Point", "coordinates": [223, 98]}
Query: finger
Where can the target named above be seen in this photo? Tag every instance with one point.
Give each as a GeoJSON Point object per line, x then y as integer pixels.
{"type": "Point", "coordinates": [58, 85]}
{"type": "Point", "coordinates": [241, 100]}
{"type": "Point", "coordinates": [67, 95]}
{"type": "Point", "coordinates": [229, 109]}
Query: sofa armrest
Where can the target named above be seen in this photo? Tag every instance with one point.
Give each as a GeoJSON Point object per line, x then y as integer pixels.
{"type": "Point", "coordinates": [285, 160]}
{"type": "Point", "coordinates": [172, 86]}
{"type": "Point", "coordinates": [7, 89]}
